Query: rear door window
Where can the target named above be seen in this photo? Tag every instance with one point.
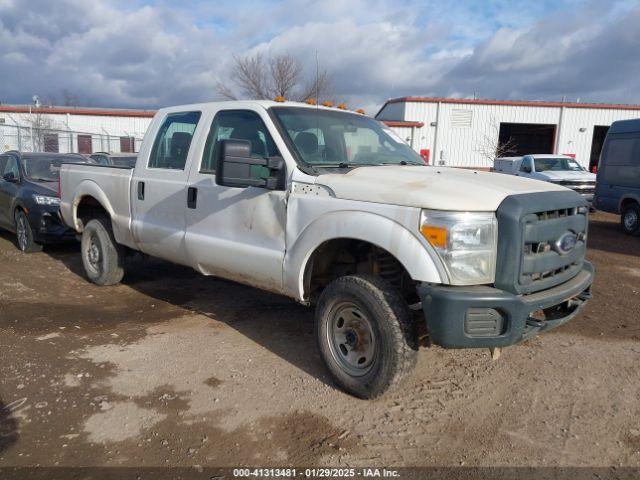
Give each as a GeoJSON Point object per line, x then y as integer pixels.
{"type": "Point", "coordinates": [171, 146]}
{"type": "Point", "coordinates": [622, 151]}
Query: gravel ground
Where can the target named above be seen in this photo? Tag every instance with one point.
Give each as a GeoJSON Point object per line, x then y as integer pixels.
{"type": "Point", "coordinates": [173, 369]}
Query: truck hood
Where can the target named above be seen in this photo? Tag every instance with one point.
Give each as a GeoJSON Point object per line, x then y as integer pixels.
{"type": "Point", "coordinates": [568, 175]}
{"type": "Point", "coordinates": [437, 188]}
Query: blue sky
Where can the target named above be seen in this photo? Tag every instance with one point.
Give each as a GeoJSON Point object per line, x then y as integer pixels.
{"type": "Point", "coordinates": [154, 53]}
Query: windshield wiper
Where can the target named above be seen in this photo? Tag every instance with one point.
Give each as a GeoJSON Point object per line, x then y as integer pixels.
{"type": "Point", "coordinates": [40, 179]}
{"type": "Point", "coordinates": [402, 163]}
{"type": "Point", "coordinates": [343, 165]}
{"type": "Point", "coordinates": [353, 165]}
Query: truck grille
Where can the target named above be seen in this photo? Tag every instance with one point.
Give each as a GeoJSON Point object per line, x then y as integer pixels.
{"type": "Point", "coordinates": [531, 230]}
{"type": "Point", "coordinates": [542, 259]}
{"type": "Point", "coordinates": [584, 188]}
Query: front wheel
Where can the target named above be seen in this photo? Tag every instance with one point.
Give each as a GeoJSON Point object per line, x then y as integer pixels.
{"type": "Point", "coordinates": [630, 219]}
{"type": "Point", "coordinates": [102, 256]}
{"type": "Point", "coordinates": [24, 234]}
{"type": "Point", "coordinates": [365, 335]}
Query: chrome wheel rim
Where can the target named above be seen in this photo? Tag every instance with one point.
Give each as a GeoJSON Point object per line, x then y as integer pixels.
{"type": "Point", "coordinates": [93, 254]}
{"type": "Point", "coordinates": [21, 233]}
{"type": "Point", "coordinates": [351, 339]}
{"type": "Point", "coordinates": [630, 220]}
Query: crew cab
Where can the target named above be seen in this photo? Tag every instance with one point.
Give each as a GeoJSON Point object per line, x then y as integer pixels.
{"type": "Point", "coordinates": [559, 169]}
{"type": "Point", "coordinates": [333, 209]}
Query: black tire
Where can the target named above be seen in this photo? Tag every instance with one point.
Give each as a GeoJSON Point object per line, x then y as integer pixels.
{"type": "Point", "coordinates": [630, 219]}
{"type": "Point", "coordinates": [344, 307]}
{"type": "Point", "coordinates": [24, 234]}
{"type": "Point", "coordinates": [102, 257]}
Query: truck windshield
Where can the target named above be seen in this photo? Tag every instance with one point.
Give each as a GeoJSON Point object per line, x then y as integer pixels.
{"type": "Point", "coordinates": [557, 164]}
{"type": "Point", "coordinates": [329, 138]}
{"type": "Point", "coordinates": [46, 168]}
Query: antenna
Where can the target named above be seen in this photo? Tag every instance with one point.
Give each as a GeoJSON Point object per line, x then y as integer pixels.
{"type": "Point", "coordinates": [317, 97]}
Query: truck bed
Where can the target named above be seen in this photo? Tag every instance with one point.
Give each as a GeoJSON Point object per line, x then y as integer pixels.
{"type": "Point", "coordinates": [109, 185]}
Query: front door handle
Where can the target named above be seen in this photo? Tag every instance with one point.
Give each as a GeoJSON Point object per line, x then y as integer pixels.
{"type": "Point", "coordinates": [192, 197]}
{"type": "Point", "coordinates": [140, 190]}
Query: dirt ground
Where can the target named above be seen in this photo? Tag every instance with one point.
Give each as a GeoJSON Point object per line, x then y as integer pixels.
{"type": "Point", "coordinates": [172, 368]}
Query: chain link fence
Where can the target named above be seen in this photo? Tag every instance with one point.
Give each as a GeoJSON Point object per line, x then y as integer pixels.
{"type": "Point", "coordinates": [32, 139]}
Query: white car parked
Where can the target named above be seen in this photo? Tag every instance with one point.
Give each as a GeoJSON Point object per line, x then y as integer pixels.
{"type": "Point", "coordinates": [332, 209]}
{"type": "Point", "coordinates": [559, 169]}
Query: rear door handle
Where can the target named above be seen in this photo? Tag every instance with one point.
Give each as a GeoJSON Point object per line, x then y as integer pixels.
{"type": "Point", "coordinates": [140, 190]}
{"type": "Point", "coordinates": [192, 197]}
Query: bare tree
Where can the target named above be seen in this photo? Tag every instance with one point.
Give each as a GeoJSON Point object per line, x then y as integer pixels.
{"type": "Point", "coordinates": [490, 146]}
{"type": "Point", "coordinates": [317, 87]}
{"type": "Point", "coordinates": [66, 98]}
{"type": "Point", "coordinates": [285, 74]}
{"type": "Point", "coordinates": [70, 99]}
{"type": "Point", "coordinates": [40, 124]}
{"type": "Point", "coordinates": [259, 77]}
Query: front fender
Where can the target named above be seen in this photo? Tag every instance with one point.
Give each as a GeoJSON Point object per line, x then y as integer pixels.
{"type": "Point", "coordinates": [17, 203]}
{"type": "Point", "coordinates": [416, 257]}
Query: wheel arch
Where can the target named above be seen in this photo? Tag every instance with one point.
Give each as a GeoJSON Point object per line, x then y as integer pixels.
{"type": "Point", "coordinates": [18, 204]}
{"type": "Point", "coordinates": [628, 199]}
{"type": "Point", "coordinates": [374, 229]}
{"type": "Point", "coordinates": [88, 198]}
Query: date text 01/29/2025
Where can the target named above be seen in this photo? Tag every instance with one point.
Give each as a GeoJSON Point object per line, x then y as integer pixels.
{"type": "Point", "coordinates": [315, 473]}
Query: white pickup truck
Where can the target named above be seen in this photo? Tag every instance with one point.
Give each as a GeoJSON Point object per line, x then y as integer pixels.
{"type": "Point", "coordinates": [559, 169]}
{"type": "Point", "coordinates": [332, 209]}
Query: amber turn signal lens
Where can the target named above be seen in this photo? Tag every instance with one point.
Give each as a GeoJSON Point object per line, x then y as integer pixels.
{"type": "Point", "coordinates": [437, 236]}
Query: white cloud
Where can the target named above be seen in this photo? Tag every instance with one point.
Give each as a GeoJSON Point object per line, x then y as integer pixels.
{"type": "Point", "coordinates": [126, 54]}
{"type": "Point", "coordinates": [574, 56]}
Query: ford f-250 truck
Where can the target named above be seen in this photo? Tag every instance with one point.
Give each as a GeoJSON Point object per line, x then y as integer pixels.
{"type": "Point", "coordinates": [332, 209]}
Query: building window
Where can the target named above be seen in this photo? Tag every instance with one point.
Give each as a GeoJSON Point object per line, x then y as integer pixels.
{"type": "Point", "coordinates": [84, 144]}
{"type": "Point", "coordinates": [127, 144]}
{"type": "Point", "coordinates": [50, 141]}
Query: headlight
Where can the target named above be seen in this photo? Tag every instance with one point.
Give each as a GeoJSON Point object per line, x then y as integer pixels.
{"type": "Point", "coordinates": [466, 242]}
{"type": "Point", "coordinates": [47, 200]}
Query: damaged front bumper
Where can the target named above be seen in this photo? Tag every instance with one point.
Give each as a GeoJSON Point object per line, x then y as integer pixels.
{"type": "Point", "coordinates": [48, 227]}
{"type": "Point", "coordinates": [486, 317]}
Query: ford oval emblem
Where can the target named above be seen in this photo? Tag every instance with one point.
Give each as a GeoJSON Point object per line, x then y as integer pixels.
{"type": "Point", "coordinates": [566, 243]}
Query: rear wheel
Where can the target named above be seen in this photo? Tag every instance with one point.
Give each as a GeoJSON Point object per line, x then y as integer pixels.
{"type": "Point", "coordinates": [630, 219]}
{"type": "Point", "coordinates": [24, 234]}
{"type": "Point", "coordinates": [365, 335]}
{"type": "Point", "coordinates": [102, 256]}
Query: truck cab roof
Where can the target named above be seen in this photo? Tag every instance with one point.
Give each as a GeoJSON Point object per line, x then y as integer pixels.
{"type": "Point", "coordinates": [264, 104]}
{"type": "Point", "coordinates": [534, 156]}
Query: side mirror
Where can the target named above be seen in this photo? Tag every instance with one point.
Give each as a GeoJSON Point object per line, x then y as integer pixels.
{"type": "Point", "coordinates": [10, 177]}
{"type": "Point", "coordinates": [235, 167]}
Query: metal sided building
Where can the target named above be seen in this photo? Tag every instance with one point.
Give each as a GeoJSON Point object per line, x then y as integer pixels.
{"type": "Point", "coordinates": [468, 133]}
{"type": "Point", "coordinates": [72, 129]}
